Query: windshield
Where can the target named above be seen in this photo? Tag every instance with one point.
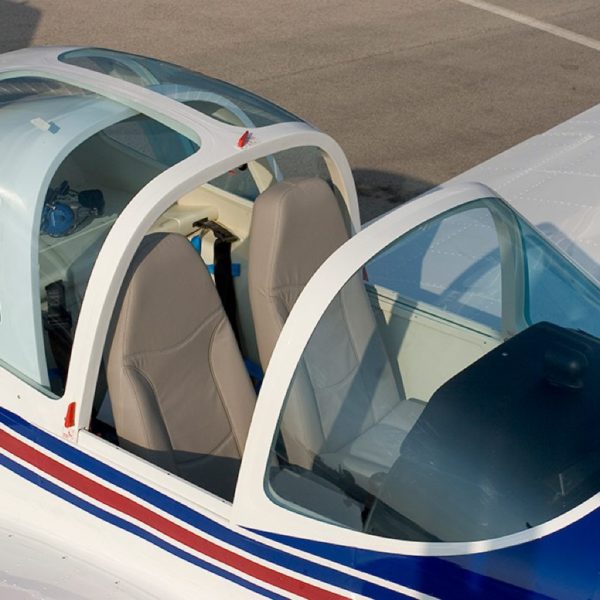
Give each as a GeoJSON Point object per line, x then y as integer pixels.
{"type": "Point", "coordinates": [217, 99]}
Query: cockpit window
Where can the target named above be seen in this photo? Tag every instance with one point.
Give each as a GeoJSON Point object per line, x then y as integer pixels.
{"type": "Point", "coordinates": [414, 419]}
{"type": "Point", "coordinates": [452, 264]}
{"type": "Point", "coordinates": [217, 99]}
{"type": "Point", "coordinates": [71, 161]}
{"type": "Point", "coordinates": [249, 180]}
{"type": "Point", "coordinates": [151, 139]}
{"type": "Point", "coordinates": [21, 89]}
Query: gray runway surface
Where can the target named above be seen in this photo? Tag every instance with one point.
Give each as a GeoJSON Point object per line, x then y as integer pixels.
{"type": "Point", "coordinates": [415, 92]}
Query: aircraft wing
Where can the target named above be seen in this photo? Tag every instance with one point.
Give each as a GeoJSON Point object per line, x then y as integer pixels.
{"type": "Point", "coordinates": [553, 179]}
{"type": "Point", "coordinates": [33, 569]}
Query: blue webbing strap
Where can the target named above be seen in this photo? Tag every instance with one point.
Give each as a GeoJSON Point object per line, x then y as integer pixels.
{"type": "Point", "coordinates": [255, 372]}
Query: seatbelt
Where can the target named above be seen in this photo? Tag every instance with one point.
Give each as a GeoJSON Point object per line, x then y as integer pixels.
{"type": "Point", "coordinates": [255, 372]}
{"type": "Point", "coordinates": [223, 268]}
{"type": "Point", "coordinates": [58, 326]}
{"type": "Point", "coordinates": [224, 272]}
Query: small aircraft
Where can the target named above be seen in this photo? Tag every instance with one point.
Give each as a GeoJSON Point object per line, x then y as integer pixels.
{"type": "Point", "coordinates": [215, 383]}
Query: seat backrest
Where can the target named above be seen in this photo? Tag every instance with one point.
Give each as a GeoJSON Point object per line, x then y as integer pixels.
{"type": "Point", "coordinates": [344, 383]}
{"type": "Point", "coordinates": [180, 394]}
{"type": "Point", "coordinates": [296, 225]}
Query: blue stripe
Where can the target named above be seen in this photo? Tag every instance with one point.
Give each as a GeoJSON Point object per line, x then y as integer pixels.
{"type": "Point", "coordinates": [187, 515]}
{"type": "Point", "coordinates": [130, 527]}
{"type": "Point", "coordinates": [451, 578]}
{"type": "Point", "coordinates": [564, 564]}
{"type": "Point", "coordinates": [489, 574]}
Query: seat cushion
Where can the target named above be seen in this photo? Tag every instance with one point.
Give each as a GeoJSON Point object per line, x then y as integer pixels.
{"type": "Point", "coordinates": [375, 450]}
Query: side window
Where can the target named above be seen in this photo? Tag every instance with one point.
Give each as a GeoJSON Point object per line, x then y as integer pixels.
{"type": "Point", "coordinates": [55, 219]}
{"type": "Point", "coordinates": [241, 182]}
{"type": "Point", "coordinates": [406, 422]}
{"type": "Point", "coordinates": [89, 190]}
{"type": "Point", "coordinates": [151, 139]}
{"type": "Point", "coordinates": [553, 284]}
{"type": "Point", "coordinates": [451, 264]}
{"type": "Point", "coordinates": [249, 180]}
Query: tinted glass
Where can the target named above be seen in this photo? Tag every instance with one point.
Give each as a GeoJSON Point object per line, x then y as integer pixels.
{"type": "Point", "coordinates": [151, 139]}
{"type": "Point", "coordinates": [405, 420]}
{"type": "Point", "coordinates": [217, 99]}
{"type": "Point", "coordinates": [452, 264]}
{"type": "Point", "coordinates": [250, 179]}
{"type": "Point", "coordinates": [56, 212]}
{"type": "Point", "coordinates": [555, 291]}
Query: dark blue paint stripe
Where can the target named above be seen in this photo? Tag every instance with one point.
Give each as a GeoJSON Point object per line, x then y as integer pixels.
{"type": "Point", "coordinates": [564, 564]}
{"type": "Point", "coordinates": [432, 575]}
{"type": "Point", "coordinates": [130, 527]}
{"type": "Point", "coordinates": [187, 515]}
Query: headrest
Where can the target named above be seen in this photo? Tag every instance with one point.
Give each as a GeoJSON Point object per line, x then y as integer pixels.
{"type": "Point", "coordinates": [163, 296]}
{"type": "Point", "coordinates": [296, 225]}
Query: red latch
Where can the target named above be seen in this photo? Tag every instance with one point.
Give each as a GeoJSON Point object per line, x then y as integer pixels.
{"type": "Point", "coordinates": [243, 139]}
{"type": "Point", "coordinates": [70, 415]}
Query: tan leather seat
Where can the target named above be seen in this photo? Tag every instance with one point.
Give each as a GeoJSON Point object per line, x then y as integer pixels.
{"type": "Point", "coordinates": [180, 394]}
{"type": "Point", "coordinates": [344, 408]}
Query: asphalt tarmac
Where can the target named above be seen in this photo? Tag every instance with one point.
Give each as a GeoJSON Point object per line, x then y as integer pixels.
{"type": "Point", "coordinates": [415, 92]}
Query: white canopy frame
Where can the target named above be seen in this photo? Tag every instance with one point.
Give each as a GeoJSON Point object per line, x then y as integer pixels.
{"type": "Point", "coordinates": [218, 153]}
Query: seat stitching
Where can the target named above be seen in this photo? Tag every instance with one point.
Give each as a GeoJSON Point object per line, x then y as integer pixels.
{"type": "Point", "coordinates": [180, 344]}
{"type": "Point", "coordinates": [128, 369]}
{"type": "Point", "coordinates": [217, 386]}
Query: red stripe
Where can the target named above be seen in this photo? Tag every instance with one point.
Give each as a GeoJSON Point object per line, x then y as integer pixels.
{"type": "Point", "coordinates": [159, 523]}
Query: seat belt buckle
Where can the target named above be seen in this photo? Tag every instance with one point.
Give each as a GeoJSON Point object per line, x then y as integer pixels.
{"type": "Point", "coordinates": [221, 233]}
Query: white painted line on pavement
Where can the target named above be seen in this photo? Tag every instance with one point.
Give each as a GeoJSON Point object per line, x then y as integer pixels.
{"type": "Point", "coordinates": [560, 32]}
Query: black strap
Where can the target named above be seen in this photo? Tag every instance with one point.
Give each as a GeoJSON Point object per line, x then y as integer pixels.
{"type": "Point", "coordinates": [58, 325]}
{"type": "Point", "coordinates": [223, 275]}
